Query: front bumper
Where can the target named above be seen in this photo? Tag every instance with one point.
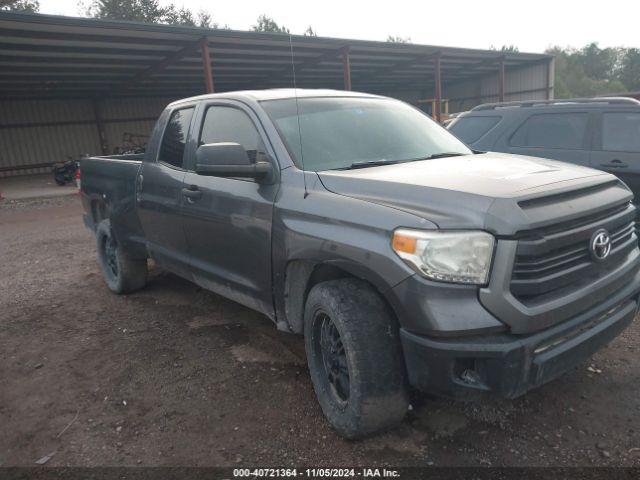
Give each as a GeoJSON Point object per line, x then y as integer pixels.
{"type": "Point", "coordinates": [509, 364]}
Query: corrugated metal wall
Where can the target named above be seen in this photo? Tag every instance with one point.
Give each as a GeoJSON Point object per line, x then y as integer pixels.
{"type": "Point", "coordinates": [22, 145]}
{"type": "Point", "coordinates": [140, 114]}
{"type": "Point", "coordinates": [529, 83]}
{"type": "Point", "coordinates": [36, 132]}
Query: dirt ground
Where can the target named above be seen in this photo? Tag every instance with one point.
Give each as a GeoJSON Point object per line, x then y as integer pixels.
{"type": "Point", "coordinates": [175, 375]}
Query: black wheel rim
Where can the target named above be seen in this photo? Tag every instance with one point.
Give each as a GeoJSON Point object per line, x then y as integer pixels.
{"type": "Point", "coordinates": [334, 358]}
{"type": "Point", "coordinates": [110, 256]}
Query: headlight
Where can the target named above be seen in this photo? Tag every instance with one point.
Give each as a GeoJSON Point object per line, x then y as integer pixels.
{"type": "Point", "coordinates": [453, 256]}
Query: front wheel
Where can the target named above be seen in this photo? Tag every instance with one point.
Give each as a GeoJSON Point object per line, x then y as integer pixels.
{"type": "Point", "coordinates": [354, 356]}
{"type": "Point", "coordinates": [121, 273]}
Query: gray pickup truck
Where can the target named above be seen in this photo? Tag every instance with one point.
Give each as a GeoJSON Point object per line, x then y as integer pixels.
{"type": "Point", "coordinates": [404, 258]}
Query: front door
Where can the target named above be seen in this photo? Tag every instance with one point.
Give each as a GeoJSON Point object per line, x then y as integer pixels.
{"type": "Point", "coordinates": [159, 195]}
{"type": "Point", "coordinates": [617, 147]}
{"type": "Point", "coordinates": [228, 222]}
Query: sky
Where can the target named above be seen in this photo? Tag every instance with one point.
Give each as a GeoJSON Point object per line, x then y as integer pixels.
{"type": "Point", "coordinates": [531, 25]}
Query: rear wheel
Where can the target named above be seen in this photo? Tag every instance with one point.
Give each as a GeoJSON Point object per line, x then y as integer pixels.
{"type": "Point", "coordinates": [121, 273]}
{"type": "Point", "coordinates": [354, 358]}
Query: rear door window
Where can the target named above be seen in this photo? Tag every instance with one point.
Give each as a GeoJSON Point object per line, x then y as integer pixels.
{"type": "Point", "coordinates": [175, 137]}
{"type": "Point", "coordinates": [471, 129]}
{"type": "Point", "coordinates": [621, 132]}
{"type": "Point", "coordinates": [552, 130]}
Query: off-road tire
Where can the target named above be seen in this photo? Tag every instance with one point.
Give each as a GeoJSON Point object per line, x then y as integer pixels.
{"type": "Point", "coordinates": [121, 273]}
{"type": "Point", "coordinates": [377, 390]}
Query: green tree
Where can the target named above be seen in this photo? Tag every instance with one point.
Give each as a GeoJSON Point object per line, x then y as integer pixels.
{"type": "Point", "coordinates": [397, 39]}
{"type": "Point", "coordinates": [630, 69]}
{"type": "Point", "coordinates": [506, 48]}
{"type": "Point", "coordinates": [574, 75]}
{"type": "Point", "coordinates": [310, 32]}
{"type": "Point", "coordinates": [22, 6]}
{"type": "Point", "coordinates": [268, 24]}
{"type": "Point", "coordinates": [179, 16]}
{"type": "Point", "coordinates": [149, 11]}
{"type": "Point", "coordinates": [599, 63]}
{"type": "Point", "coordinates": [206, 20]}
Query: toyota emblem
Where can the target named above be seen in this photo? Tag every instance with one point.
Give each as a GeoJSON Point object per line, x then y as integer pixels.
{"type": "Point", "coordinates": [600, 245]}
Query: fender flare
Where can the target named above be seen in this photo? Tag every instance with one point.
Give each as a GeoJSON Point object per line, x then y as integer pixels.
{"type": "Point", "coordinates": [302, 274]}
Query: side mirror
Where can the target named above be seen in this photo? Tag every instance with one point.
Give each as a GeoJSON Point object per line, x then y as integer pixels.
{"type": "Point", "coordinates": [228, 159]}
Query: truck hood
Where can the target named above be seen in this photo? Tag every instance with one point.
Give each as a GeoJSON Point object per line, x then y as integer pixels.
{"type": "Point", "coordinates": [473, 191]}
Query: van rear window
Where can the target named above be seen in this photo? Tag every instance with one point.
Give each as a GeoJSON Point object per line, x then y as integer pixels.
{"type": "Point", "coordinates": [471, 129]}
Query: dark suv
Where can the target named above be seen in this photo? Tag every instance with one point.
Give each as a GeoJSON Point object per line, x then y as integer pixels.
{"type": "Point", "coordinates": [602, 133]}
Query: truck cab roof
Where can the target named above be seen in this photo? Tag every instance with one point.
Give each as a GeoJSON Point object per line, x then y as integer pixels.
{"type": "Point", "coordinates": [275, 94]}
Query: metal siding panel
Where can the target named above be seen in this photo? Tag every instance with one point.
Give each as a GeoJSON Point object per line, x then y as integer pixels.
{"type": "Point", "coordinates": [522, 84]}
{"type": "Point", "coordinates": [41, 144]}
{"type": "Point", "coordinates": [134, 107]}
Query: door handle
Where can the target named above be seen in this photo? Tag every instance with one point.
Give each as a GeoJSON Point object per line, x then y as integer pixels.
{"type": "Point", "coordinates": [615, 163]}
{"type": "Point", "coordinates": [192, 193]}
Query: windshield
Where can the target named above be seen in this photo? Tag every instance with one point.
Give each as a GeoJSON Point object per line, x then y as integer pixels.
{"type": "Point", "coordinates": [340, 132]}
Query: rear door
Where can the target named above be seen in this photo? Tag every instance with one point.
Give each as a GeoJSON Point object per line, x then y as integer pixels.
{"type": "Point", "coordinates": [556, 135]}
{"type": "Point", "coordinates": [228, 222]}
{"type": "Point", "coordinates": [159, 194]}
{"type": "Point", "coordinates": [617, 146]}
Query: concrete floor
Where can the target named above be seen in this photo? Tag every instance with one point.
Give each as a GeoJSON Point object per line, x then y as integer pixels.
{"type": "Point", "coordinates": [33, 186]}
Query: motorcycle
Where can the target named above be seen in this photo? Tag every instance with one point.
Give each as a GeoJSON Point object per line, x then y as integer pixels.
{"type": "Point", "coordinates": [65, 172]}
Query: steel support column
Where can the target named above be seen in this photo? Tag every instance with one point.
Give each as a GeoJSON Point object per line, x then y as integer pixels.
{"type": "Point", "coordinates": [206, 65]}
{"type": "Point", "coordinates": [550, 78]}
{"type": "Point", "coordinates": [501, 81]}
{"type": "Point", "coordinates": [102, 137]}
{"type": "Point", "coordinates": [438, 88]}
{"type": "Point", "coordinates": [346, 68]}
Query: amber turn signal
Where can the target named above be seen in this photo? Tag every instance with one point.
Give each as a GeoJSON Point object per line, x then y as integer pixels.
{"type": "Point", "coordinates": [403, 243]}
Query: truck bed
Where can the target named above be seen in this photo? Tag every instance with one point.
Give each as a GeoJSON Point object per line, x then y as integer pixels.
{"type": "Point", "coordinates": [109, 191]}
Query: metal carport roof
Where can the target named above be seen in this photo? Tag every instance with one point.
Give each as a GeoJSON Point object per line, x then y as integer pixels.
{"type": "Point", "coordinates": [47, 56]}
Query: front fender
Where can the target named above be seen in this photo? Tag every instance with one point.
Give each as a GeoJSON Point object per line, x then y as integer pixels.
{"type": "Point", "coordinates": [330, 229]}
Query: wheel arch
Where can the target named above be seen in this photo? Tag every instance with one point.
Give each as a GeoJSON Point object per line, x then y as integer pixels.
{"type": "Point", "coordinates": [302, 275]}
{"type": "Point", "coordinates": [99, 210]}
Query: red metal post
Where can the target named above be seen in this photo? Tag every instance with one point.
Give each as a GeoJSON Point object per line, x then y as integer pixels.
{"type": "Point", "coordinates": [206, 65]}
{"type": "Point", "coordinates": [501, 80]}
{"type": "Point", "coordinates": [346, 68]}
{"type": "Point", "coordinates": [438, 88]}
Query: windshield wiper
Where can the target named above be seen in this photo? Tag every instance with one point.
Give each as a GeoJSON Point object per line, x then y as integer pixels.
{"type": "Point", "coordinates": [444, 155]}
{"type": "Point", "coordinates": [376, 163]}
{"type": "Point", "coordinates": [371, 163]}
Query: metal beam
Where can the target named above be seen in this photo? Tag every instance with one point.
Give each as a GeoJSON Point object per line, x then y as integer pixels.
{"type": "Point", "coordinates": [87, 37]}
{"type": "Point", "coordinates": [488, 74]}
{"type": "Point", "coordinates": [475, 65]}
{"type": "Point", "coordinates": [346, 68]}
{"type": "Point", "coordinates": [102, 137]}
{"type": "Point", "coordinates": [394, 66]}
{"type": "Point", "coordinates": [438, 87]}
{"type": "Point", "coordinates": [309, 62]}
{"type": "Point", "coordinates": [501, 80]}
{"type": "Point", "coordinates": [157, 67]}
{"type": "Point", "coordinates": [515, 92]}
{"type": "Point", "coordinates": [206, 65]}
{"type": "Point", "coordinates": [550, 78]}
